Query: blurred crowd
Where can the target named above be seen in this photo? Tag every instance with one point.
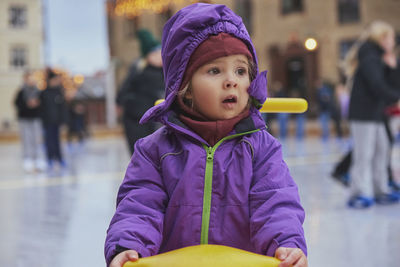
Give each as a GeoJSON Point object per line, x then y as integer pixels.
{"type": "Point", "coordinates": [364, 103]}
{"type": "Point", "coordinates": [41, 114]}
{"type": "Point", "coordinates": [362, 109]}
{"type": "Point", "coordinates": [365, 106]}
{"type": "Point", "coordinates": [332, 112]}
{"type": "Point", "coordinates": [373, 76]}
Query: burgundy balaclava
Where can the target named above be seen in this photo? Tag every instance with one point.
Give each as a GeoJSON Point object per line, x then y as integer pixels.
{"type": "Point", "coordinates": [221, 45]}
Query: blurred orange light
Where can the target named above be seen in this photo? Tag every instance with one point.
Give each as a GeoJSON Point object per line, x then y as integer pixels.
{"type": "Point", "coordinates": [79, 79]}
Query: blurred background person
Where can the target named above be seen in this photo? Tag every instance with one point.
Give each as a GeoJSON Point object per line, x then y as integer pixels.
{"type": "Point", "coordinates": [27, 105]}
{"type": "Point", "coordinates": [76, 111]}
{"type": "Point", "coordinates": [53, 113]}
{"type": "Point", "coordinates": [279, 91]}
{"type": "Point", "coordinates": [392, 76]}
{"type": "Point", "coordinates": [336, 116]}
{"type": "Point", "coordinates": [143, 85]}
{"type": "Point", "coordinates": [342, 97]}
{"type": "Point", "coordinates": [392, 118]}
{"type": "Point", "coordinates": [328, 108]}
{"type": "Point", "coordinates": [325, 99]}
{"type": "Point", "coordinates": [300, 117]}
{"type": "Point", "coordinates": [370, 93]}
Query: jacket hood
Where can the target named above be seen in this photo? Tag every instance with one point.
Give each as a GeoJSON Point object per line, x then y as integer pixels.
{"type": "Point", "coordinates": [183, 33]}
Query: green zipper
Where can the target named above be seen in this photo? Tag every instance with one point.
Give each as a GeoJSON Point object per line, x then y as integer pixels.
{"type": "Point", "coordinates": [205, 221]}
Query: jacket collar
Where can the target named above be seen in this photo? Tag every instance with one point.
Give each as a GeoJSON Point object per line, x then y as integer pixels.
{"type": "Point", "coordinates": [250, 123]}
{"type": "Point", "coordinates": [213, 131]}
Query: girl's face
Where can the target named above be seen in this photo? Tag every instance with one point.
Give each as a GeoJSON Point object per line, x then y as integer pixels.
{"type": "Point", "coordinates": [219, 88]}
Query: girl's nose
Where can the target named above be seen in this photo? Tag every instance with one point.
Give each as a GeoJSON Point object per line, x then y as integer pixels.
{"type": "Point", "coordinates": [229, 83]}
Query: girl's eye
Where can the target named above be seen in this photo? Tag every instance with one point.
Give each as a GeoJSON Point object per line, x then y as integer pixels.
{"type": "Point", "coordinates": [241, 71]}
{"type": "Point", "coordinates": [213, 71]}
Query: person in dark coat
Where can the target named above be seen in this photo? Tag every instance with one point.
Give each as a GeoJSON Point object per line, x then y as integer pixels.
{"type": "Point", "coordinates": [53, 113]}
{"type": "Point", "coordinates": [28, 112]}
{"type": "Point", "coordinates": [341, 169]}
{"type": "Point", "coordinates": [143, 85]}
{"type": "Point", "coordinates": [370, 93]}
{"type": "Point", "coordinates": [393, 75]}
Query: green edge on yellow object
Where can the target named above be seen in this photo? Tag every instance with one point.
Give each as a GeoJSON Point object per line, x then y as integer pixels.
{"type": "Point", "coordinates": [278, 105]}
{"type": "Point", "coordinates": [206, 256]}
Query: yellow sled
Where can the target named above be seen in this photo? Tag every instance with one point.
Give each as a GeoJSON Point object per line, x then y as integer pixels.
{"type": "Point", "coordinates": [206, 256]}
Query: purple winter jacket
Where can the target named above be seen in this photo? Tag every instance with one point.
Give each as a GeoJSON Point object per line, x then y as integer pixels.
{"type": "Point", "coordinates": [178, 191]}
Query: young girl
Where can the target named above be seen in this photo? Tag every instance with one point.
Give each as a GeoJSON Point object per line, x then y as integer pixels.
{"type": "Point", "coordinates": [212, 174]}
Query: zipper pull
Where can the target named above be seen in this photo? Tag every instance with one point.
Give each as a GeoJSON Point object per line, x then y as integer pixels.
{"type": "Point", "coordinates": [209, 154]}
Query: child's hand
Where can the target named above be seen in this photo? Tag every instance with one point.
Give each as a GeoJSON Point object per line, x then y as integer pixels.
{"type": "Point", "coordinates": [291, 257]}
{"type": "Point", "coordinates": [121, 258]}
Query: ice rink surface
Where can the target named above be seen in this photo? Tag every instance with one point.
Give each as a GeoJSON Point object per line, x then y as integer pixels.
{"type": "Point", "coordinates": [60, 219]}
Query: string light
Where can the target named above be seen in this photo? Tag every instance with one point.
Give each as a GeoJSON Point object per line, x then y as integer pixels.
{"type": "Point", "coordinates": [79, 79]}
{"type": "Point", "coordinates": [134, 8]}
{"type": "Point", "coordinates": [68, 82]}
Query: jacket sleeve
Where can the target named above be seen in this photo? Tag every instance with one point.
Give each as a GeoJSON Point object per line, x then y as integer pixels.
{"type": "Point", "coordinates": [138, 221]}
{"type": "Point", "coordinates": [19, 101]}
{"type": "Point", "coordinates": [276, 215]}
{"type": "Point", "coordinates": [372, 70]}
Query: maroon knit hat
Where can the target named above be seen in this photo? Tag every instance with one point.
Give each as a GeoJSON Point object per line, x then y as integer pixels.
{"type": "Point", "coordinates": [215, 46]}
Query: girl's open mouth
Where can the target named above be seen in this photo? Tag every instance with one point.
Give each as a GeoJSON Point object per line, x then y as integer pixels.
{"type": "Point", "coordinates": [229, 102]}
{"type": "Point", "coordinates": [230, 99]}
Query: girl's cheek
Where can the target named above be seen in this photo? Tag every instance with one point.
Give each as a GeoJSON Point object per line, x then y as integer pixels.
{"type": "Point", "coordinates": [203, 99]}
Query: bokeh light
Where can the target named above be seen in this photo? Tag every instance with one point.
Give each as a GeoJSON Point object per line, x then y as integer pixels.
{"type": "Point", "coordinates": [311, 44]}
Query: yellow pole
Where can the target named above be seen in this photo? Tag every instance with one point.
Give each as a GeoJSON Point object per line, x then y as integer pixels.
{"type": "Point", "coordinates": [278, 105]}
{"type": "Point", "coordinates": [284, 105]}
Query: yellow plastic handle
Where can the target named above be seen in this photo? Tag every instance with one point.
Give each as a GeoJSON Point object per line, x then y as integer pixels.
{"type": "Point", "coordinates": [284, 105]}
{"type": "Point", "coordinates": [278, 105]}
{"type": "Point", "coordinates": [206, 256]}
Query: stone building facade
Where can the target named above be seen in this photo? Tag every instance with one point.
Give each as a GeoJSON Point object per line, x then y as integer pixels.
{"type": "Point", "coordinates": [21, 48]}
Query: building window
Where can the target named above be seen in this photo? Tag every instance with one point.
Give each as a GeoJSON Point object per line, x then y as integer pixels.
{"type": "Point", "coordinates": [17, 16]}
{"type": "Point", "coordinates": [348, 11]}
{"type": "Point", "coordinates": [244, 9]}
{"type": "Point", "coordinates": [291, 6]}
{"type": "Point", "coordinates": [18, 57]}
